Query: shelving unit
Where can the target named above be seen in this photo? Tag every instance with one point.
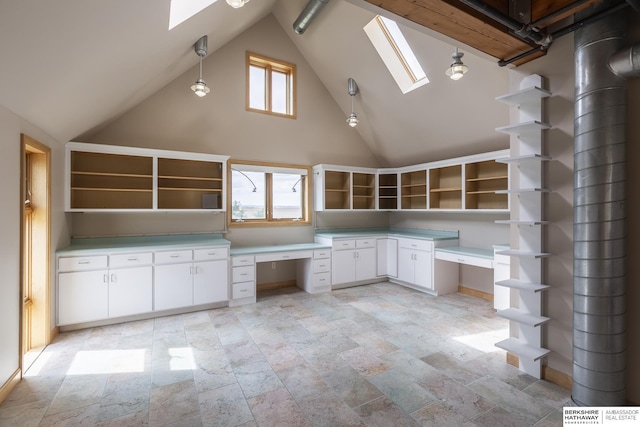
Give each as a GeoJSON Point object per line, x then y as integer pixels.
{"type": "Point", "coordinates": [388, 191]}
{"type": "Point", "coordinates": [483, 180]}
{"type": "Point", "coordinates": [108, 178]}
{"type": "Point", "coordinates": [445, 187]}
{"type": "Point", "coordinates": [110, 181]}
{"type": "Point", "coordinates": [364, 190]}
{"type": "Point", "coordinates": [413, 187]}
{"type": "Point", "coordinates": [337, 190]}
{"type": "Point", "coordinates": [527, 146]}
{"type": "Point", "coordinates": [189, 184]}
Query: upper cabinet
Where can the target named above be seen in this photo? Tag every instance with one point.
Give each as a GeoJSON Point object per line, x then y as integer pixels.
{"type": "Point", "coordinates": [112, 179]}
{"type": "Point", "coordinates": [476, 183]}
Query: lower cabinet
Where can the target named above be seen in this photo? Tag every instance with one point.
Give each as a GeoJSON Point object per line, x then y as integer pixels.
{"type": "Point", "coordinates": [353, 260]}
{"type": "Point", "coordinates": [130, 291]}
{"type": "Point", "coordinates": [173, 286]}
{"type": "Point", "coordinates": [83, 296]}
{"type": "Point", "coordinates": [387, 257]}
{"type": "Point", "coordinates": [415, 263]}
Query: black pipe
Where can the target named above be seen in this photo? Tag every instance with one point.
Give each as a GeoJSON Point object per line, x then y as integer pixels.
{"type": "Point", "coordinates": [559, 12]}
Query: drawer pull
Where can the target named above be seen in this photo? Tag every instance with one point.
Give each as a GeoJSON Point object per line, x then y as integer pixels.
{"type": "Point", "coordinates": [132, 259]}
{"type": "Point", "coordinates": [175, 256]}
{"type": "Point", "coordinates": [285, 256]}
{"type": "Point", "coordinates": [460, 259]}
{"type": "Point", "coordinates": [212, 253]}
{"type": "Point", "coordinates": [243, 274]}
{"type": "Point", "coordinates": [84, 262]}
{"type": "Point", "coordinates": [243, 290]}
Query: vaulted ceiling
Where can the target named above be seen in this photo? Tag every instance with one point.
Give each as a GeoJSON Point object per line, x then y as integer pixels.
{"type": "Point", "coordinates": [72, 66]}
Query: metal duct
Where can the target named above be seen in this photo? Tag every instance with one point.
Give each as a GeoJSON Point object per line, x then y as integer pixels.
{"type": "Point", "coordinates": [599, 266]}
{"type": "Point", "coordinates": [626, 62]}
{"type": "Point", "coordinates": [308, 14]}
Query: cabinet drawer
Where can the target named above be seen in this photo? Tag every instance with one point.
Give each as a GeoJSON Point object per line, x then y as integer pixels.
{"type": "Point", "coordinates": [465, 259]}
{"type": "Point", "coordinates": [322, 279]}
{"type": "Point", "coordinates": [237, 261]}
{"type": "Point", "coordinates": [322, 253]}
{"type": "Point", "coordinates": [501, 259]}
{"type": "Point", "coordinates": [243, 274]}
{"type": "Point", "coordinates": [365, 243]}
{"type": "Point", "coordinates": [243, 290]}
{"type": "Point", "coordinates": [173, 256]}
{"type": "Point", "coordinates": [283, 256]}
{"type": "Point", "coordinates": [339, 245]}
{"type": "Point", "coordinates": [126, 260]}
{"type": "Point", "coordinates": [210, 253]}
{"type": "Point", "coordinates": [420, 245]}
{"type": "Point", "coordinates": [321, 265]}
{"type": "Point", "coordinates": [82, 263]}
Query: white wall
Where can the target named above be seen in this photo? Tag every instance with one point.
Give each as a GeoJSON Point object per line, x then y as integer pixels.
{"type": "Point", "coordinates": [11, 126]}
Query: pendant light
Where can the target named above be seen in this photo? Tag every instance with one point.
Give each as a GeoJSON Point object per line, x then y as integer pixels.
{"type": "Point", "coordinates": [457, 68]}
{"type": "Point", "coordinates": [237, 3]}
{"type": "Point", "coordinates": [200, 87]}
{"type": "Point", "coordinates": [352, 88]}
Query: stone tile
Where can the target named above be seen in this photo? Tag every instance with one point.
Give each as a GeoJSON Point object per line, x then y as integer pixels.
{"type": "Point", "coordinates": [24, 415]}
{"type": "Point", "coordinates": [328, 410]}
{"type": "Point", "coordinates": [401, 390]}
{"type": "Point", "coordinates": [553, 419]}
{"type": "Point", "coordinates": [79, 416]}
{"type": "Point", "coordinates": [242, 353]}
{"type": "Point", "coordinates": [131, 420]}
{"type": "Point", "coordinates": [138, 327]}
{"type": "Point", "coordinates": [337, 341]}
{"type": "Point", "coordinates": [550, 394]}
{"type": "Point", "coordinates": [363, 362]}
{"type": "Point", "coordinates": [511, 399]}
{"type": "Point", "coordinates": [452, 367]}
{"type": "Point", "coordinates": [277, 408]}
{"type": "Point", "coordinates": [303, 382]}
{"type": "Point", "coordinates": [125, 394]}
{"type": "Point", "coordinates": [494, 364]}
{"type": "Point", "coordinates": [406, 363]}
{"type": "Point", "coordinates": [456, 397]}
{"type": "Point", "coordinates": [315, 325]}
{"type": "Point", "coordinates": [499, 417]}
{"type": "Point", "coordinates": [352, 387]}
{"type": "Point", "coordinates": [438, 414]}
{"type": "Point", "coordinates": [374, 343]}
{"type": "Point", "coordinates": [321, 358]}
{"type": "Point", "coordinates": [33, 389]}
{"type": "Point", "coordinates": [383, 412]}
{"type": "Point", "coordinates": [77, 392]}
{"type": "Point", "coordinates": [283, 357]}
{"type": "Point", "coordinates": [224, 406]}
{"type": "Point", "coordinates": [173, 402]}
{"type": "Point", "coordinates": [257, 378]}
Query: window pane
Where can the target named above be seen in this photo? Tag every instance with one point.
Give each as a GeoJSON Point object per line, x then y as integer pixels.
{"type": "Point", "coordinates": [257, 88]}
{"type": "Point", "coordinates": [288, 190]}
{"type": "Point", "coordinates": [279, 92]}
{"type": "Point", "coordinates": [248, 195]}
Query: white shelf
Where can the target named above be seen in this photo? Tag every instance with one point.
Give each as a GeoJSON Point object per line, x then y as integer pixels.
{"type": "Point", "coordinates": [516, 222]}
{"type": "Point", "coordinates": [523, 254]}
{"type": "Point", "coordinates": [524, 127]}
{"type": "Point", "coordinates": [521, 285]}
{"type": "Point", "coordinates": [524, 158]}
{"type": "Point", "coordinates": [523, 317]}
{"type": "Point", "coordinates": [515, 346]}
{"type": "Point", "coordinates": [524, 96]}
{"type": "Point", "coordinates": [523, 190]}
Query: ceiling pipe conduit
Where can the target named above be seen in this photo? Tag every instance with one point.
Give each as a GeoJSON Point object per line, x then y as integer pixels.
{"type": "Point", "coordinates": [626, 62]}
{"type": "Point", "coordinates": [308, 14]}
{"type": "Point", "coordinates": [599, 265]}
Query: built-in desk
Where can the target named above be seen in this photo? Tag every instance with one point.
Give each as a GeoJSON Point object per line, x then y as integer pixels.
{"type": "Point", "coordinates": [313, 268]}
{"type": "Point", "coordinates": [478, 257]}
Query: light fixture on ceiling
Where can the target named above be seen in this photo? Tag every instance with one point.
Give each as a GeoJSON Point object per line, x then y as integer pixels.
{"type": "Point", "coordinates": [353, 90]}
{"type": "Point", "coordinates": [457, 68]}
{"type": "Point", "coordinates": [237, 3]}
{"type": "Point", "coordinates": [200, 87]}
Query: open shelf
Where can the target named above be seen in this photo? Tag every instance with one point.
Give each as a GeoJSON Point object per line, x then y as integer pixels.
{"type": "Point", "coordinates": [483, 180]}
{"type": "Point", "coordinates": [189, 184]}
{"type": "Point", "coordinates": [515, 346]}
{"type": "Point", "coordinates": [523, 128]}
{"type": "Point", "coordinates": [523, 190]}
{"type": "Point", "coordinates": [522, 285]}
{"type": "Point", "coordinates": [527, 95]}
{"type": "Point", "coordinates": [517, 222]}
{"type": "Point", "coordinates": [523, 317]}
{"type": "Point", "coordinates": [445, 187]}
{"type": "Point", "coordinates": [524, 254]}
{"type": "Point", "coordinates": [414, 189]}
{"type": "Point", "coordinates": [337, 190]}
{"type": "Point", "coordinates": [388, 191]}
{"type": "Point", "coordinates": [364, 189]}
{"type": "Point", "coordinates": [524, 158]}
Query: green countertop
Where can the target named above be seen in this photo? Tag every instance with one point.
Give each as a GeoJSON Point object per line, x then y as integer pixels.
{"type": "Point", "coordinates": [412, 233]}
{"type": "Point", "coordinates": [464, 250]}
{"type": "Point", "coordinates": [254, 250]}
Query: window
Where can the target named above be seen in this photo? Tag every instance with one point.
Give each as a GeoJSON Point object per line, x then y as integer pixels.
{"type": "Point", "coordinates": [391, 45]}
{"type": "Point", "coordinates": [267, 193]}
{"type": "Point", "coordinates": [271, 86]}
{"type": "Point", "coordinates": [181, 10]}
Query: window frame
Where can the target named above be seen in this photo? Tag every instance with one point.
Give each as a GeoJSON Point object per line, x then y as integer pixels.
{"type": "Point", "coordinates": [270, 65]}
{"type": "Point", "coordinates": [269, 221]}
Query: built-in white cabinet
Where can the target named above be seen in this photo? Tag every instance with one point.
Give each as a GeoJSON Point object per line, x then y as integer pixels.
{"type": "Point", "coordinates": [83, 296]}
{"type": "Point", "coordinates": [243, 279]}
{"type": "Point", "coordinates": [110, 178]}
{"type": "Point", "coordinates": [387, 257]}
{"type": "Point", "coordinates": [415, 263]}
{"type": "Point", "coordinates": [344, 188]}
{"type": "Point", "coordinates": [354, 260]}
{"type": "Point", "coordinates": [501, 272]}
{"type": "Point", "coordinates": [130, 291]}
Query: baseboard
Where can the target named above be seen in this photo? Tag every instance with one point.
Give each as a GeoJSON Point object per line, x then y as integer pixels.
{"type": "Point", "coordinates": [548, 374]}
{"type": "Point", "coordinates": [53, 334]}
{"type": "Point", "coordinates": [475, 293]}
{"type": "Point", "coordinates": [276, 285]}
{"type": "Point", "coordinates": [10, 384]}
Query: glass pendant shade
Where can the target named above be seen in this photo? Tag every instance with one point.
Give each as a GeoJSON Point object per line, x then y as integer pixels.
{"type": "Point", "coordinates": [352, 120]}
{"type": "Point", "coordinates": [457, 69]}
{"type": "Point", "coordinates": [237, 3]}
{"type": "Point", "coordinates": [200, 88]}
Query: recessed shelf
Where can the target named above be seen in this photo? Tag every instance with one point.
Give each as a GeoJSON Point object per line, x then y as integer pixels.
{"type": "Point", "coordinates": [483, 192]}
{"type": "Point", "coordinates": [488, 178]}
{"type": "Point", "coordinates": [523, 190]}
{"type": "Point", "coordinates": [524, 96]}
{"type": "Point", "coordinates": [189, 178]}
{"type": "Point", "coordinates": [124, 175]}
{"type": "Point", "coordinates": [522, 285]}
{"type": "Point", "coordinates": [524, 158]}
{"type": "Point", "coordinates": [517, 222]}
{"type": "Point", "coordinates": [133, 190]}
{"type": "Point", "coordinates": [524, 127]}
{"type": "Point", "coordinates": [207, 190]}
{"type": "Point", "coordinates": [523, 254]}
{"type": "Point", "coordinates": [515, 346]}
{"type": "Point", "coordinates": [444, 190]}
{"type": "Point", "coordinates": [523, 317]}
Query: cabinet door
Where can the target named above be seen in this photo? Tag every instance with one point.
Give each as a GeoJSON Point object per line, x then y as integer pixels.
{"type": "Point", "coordinates": [366, 264]}
{"type": "Point", "coordinates": [173, 286]}
{"type": "Point", "coordinates": [130, 291]}
{"type": "Point", "coordinates": [406, 265]}
{"type": "Point", "coordinates": [423, 269]}
{"type": "Point", "coordinates": [387, 256]}
{"type": "Point", "coordinates": [210, 281]}
{"type": "Point", "coordinates": [83, 296]}
{"type": "Point", "coordinates": [344, 267]}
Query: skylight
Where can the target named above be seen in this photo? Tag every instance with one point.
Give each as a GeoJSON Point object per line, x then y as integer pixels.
{"type": "Point", "coordinates": [181, 10]}
{"type": "Point", "coordinates": [387, 38]}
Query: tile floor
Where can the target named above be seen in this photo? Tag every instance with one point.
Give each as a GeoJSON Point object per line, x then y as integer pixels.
{"type": "Point", "coordinates": [376, 355]}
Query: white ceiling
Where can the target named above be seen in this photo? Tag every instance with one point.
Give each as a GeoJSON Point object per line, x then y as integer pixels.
{"type": "Point", "coordinates": [72, 66]}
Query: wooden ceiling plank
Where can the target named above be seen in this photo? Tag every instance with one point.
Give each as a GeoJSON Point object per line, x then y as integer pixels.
{"type": "Point", "coordinates": [543, 8]}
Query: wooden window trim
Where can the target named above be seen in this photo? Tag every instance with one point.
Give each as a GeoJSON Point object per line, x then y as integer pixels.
{"type": "Point", "coordinates": [270, 221]}
{"type": "Point", "coordinates": [271, 64]}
